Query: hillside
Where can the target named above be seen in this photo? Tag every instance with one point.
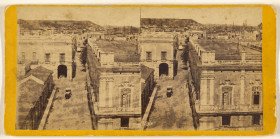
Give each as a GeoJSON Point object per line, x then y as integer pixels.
{"type": "Point", "coordinates": [168, 22]}
{"type": "Point", "coordinates": [58, 24]}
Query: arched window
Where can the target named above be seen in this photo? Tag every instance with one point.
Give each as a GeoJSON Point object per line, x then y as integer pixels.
{"type": "Point", "coordinates": [125, 97]}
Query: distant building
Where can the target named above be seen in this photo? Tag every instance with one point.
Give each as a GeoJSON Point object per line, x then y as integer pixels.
{"type": "Point", "coordinates": [118, 86]}
{"type": "Point", "coordinates": [158, 51]}
{"type": "Point", "coordinates": [53, 52]}
{"type": "Point", "coordinates": [227, 82]}
{"type": "Point", "coordinates": [34, 91]}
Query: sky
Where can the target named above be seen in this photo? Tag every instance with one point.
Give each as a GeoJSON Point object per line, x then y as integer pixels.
{"type": "Point", "coordinates": [127, 16]}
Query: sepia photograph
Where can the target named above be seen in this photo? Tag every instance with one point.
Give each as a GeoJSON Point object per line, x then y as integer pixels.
{"type": "Point", "coordinates": [139, 68]}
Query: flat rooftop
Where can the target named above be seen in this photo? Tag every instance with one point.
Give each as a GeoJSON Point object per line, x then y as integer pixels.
{"type": "Point", "coordinates": [124, 51]}
{"type": "Point", "coordinates": [225, 50]}
{"type": "Point", "coordinates": [156, 37]}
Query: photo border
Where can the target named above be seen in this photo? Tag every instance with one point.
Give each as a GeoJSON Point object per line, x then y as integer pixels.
{"type": "Point", "coordinates": [268, 74]}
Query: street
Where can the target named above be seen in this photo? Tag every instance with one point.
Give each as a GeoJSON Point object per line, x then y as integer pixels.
{"type": "Point", "coordinates": [73, 113]}
{"type": "Point", "coordinates": [173, 113]}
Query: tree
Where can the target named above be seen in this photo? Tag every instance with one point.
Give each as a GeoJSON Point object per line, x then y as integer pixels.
{"type": "Point", "coordinates": [74, 66]}
{"type": "Point", "coordinates": [83, 56]}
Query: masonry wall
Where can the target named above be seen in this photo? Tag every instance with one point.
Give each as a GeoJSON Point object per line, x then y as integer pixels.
{"type": "Point", "coordinates": [238, 122]}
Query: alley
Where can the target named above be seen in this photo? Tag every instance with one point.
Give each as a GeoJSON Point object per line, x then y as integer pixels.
{"type": "Point", "coordinates": [173, 113]}
{"type": "Point", "coordinates": [73, 113]}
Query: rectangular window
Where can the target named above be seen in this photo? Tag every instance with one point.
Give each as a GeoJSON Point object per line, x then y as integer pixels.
{"type": "Point", "coordinates": [23, 56]}
{"type": "Point", "coordinates": [225, 99]}
{"type": "Point", "coordinates": [148, 55]}
{"type": "Point", "coordinates": [47, 57]}
{"type": "Point", "coordinates": [62, 57]}
{"type": "Point", "coordinates": [125, 97]}
{"type": "Point", "coordinates": [163, 55]}
{"type": "Point", "coordinates": [34, 58]}
{"type": "Point", "coordinates": [256, 98]}
{"type": "Point", "coordinates": [256, 119]}
{"type": "Point", "coordinates": [124, 122]}
{"type": "Point", "coordinates": [226, 120]}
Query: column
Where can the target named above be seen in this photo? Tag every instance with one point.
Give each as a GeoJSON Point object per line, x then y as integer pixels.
{"type": "Point", "coordinates": [242, 87]}
{"type": "Point", "coordinates": [102, 92]}
{"type": "Point", "coordinates": [111, 88]}
{"type": "Point", "coordinates": [211, 91]}
{"type": "Point", "coordinates": [203, 91]}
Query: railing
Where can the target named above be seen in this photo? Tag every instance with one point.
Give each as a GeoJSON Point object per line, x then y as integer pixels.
{"type": "Point", "coordinates": [229, 108]}
{"type": "Point", "coordinates": [115, 110]}
{"type": "Point", "coordinates": [35, 62]}
{"type": "Point", "coordinates": [229, 61]}
{"type": "Point", "coordinates": [127, 64]}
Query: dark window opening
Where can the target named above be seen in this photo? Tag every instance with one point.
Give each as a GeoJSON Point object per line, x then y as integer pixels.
{"type": "Point", "coordinates": [256, 98]}
{"type": "Point", "coordinates": [62, 57]}
{"type": "Point", "coordinates": [47, 57]}
{"type": "Point", "coordinates": [163, 55]}
{"type": "Point", "coordinates": [226, 120]}
{"type": "Point", "coordinates": [256, 119]}
{"type": "Point", "coordinates": [148, 55]}
{"type": "Point", "coordinates": [124, 122]}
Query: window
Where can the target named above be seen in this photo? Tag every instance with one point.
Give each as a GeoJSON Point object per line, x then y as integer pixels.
{"type": "Point", "coordinates": [163, 55]}
{"type": "Point", "coordinates": [256, 95]}
{"type": "Point", "coordinates": [256, 119]}
{"type": "Point", "coordinates": [226, 98]}
{"type": "Point", "coordinates": [62, 57]}
{"type": "Point", "coordinates": [148, 55]}
{"type": "Point", "coordinates": [125, 97]}
{"type": "Point", "coordinates": [226, 120]}
{"type": "Point", "coordinates": [47, 57]}
{"type": "Point", "coordinates": [124, 122]}
{"type": "Point", "coordinates": [256, 98]}
{"type": "Point", "coordinates": [34, 56]}
{"type": "Point", "coordinates": [23, 56]}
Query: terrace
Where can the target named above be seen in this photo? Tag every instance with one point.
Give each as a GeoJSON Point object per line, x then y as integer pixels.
{"type": "Point", "coordinates": [124, 51]}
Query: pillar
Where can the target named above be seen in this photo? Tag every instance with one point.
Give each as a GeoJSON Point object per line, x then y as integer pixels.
{"type": "Point", "coordinates": [203, 91]}
{"type": "Point", "coordinates": [111, 93]}
{"type": "Point", "coordinates": [211, 91]}
{"type": "Point", "coordinates": [242, 87]}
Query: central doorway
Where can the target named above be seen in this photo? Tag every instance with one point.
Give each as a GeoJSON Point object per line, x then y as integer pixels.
{"type": "Point", "coordinates": [61, 71]}
{"type": "Point", "coordinates": [163, 69]}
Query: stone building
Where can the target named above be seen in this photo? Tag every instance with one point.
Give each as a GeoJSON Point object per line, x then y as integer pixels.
{"type": "Point", "coordinates": [52, 52]}
{"type": "Point", "coordinates": [34, 91]}
{"type": "Point", "coordinates": [158, 51]}
{"type": "Point", "coordinates": [116, 84]}
{"type": "Point", "coordinates": [227, 79]}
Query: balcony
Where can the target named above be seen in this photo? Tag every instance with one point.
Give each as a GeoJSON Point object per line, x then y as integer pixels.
{"type": "Point", "coordinates": [228, 109]}
{"type": "Point", "coordinates": [116, 110]}
{"type": "Point", "coordinates": [34, 62]}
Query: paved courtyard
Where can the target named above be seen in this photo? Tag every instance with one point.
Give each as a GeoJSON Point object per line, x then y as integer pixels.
{"type": "Point", "coordinates": [73, 113]}
{"type": "Point", "coordinates": [173, 113]}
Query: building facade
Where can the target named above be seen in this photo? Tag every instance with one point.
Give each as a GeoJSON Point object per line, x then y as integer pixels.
{"type": "Point", "coordinates": [34, 92]}
{"type": "Point", "coordinates": [158, 51]}
{"type": "Point", "coordinates": [115, 87]}
{"type": "Point", "coordinates": [228, 85]}
{"type": "Point", "coordinates": [52, 52]}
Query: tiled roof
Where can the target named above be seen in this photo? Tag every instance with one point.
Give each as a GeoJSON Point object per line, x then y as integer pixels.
{"type": "Point", "coordinates": [40, 73]}
{"type": "Point", "coordinates": [146, 72]}
{"type": "Point", "coordinates": [29, 92]}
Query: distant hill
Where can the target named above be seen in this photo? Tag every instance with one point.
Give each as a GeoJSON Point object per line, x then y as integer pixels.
{"type": "Point", "coordinates": [168, 22]}
{"type": "Point", "coordinates": [58, 24]}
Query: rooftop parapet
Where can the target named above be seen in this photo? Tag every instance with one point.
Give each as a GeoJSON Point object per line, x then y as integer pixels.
{"type": "Point", "coordinates": [225, 55]}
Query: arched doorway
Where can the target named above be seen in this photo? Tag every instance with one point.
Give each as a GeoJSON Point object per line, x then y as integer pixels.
{"type": "Point", "coordinates": [61, 71]}
{"type": "Point", "coordinates": [163, 69]}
